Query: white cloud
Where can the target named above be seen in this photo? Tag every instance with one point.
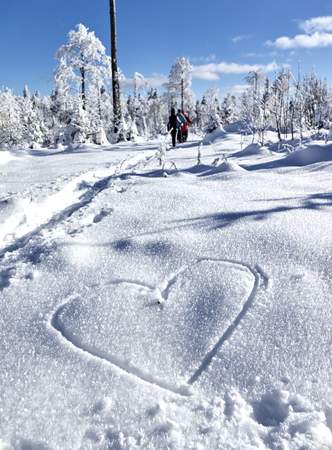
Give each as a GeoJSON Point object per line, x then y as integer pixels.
{"type": "Point", "coordinates": [203, 59]}
{"type": "Point", "coordinates": [314, 40]}
{"type": "Point", "coordinates": [318, 34]}
{"type": "Point", "coordinates": [212, 72]}
{"type": "Point", "coordinates": [316, 24]}
{"type": "Point", "coordinates": [241, 37]}
{"type": "Point", "coordinates": [154, 81]}
{"type": "Point", "coordinates": [270, 54]}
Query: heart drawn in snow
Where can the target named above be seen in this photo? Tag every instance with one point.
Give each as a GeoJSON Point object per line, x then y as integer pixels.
{"type": "Point", "coordinates": [121, 321]}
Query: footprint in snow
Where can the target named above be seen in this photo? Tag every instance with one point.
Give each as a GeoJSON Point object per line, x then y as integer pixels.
{"type": "Point", "coordinates": [5, 277]}
{"type": "Point", "coordinates": [104, 212]}
{"type": "Point", "coordinates": [87, 220]}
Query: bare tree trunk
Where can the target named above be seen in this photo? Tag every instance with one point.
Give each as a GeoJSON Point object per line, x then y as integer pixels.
{"type": "Point", "coordinates": [83, 88]}
{"type": "Point", "coordinates": [115, 73]}
{"type": "Point", "coordinates": [292, 116]}
{"type": "Point", "coordinates": [82, 71]}
{"type": "Point", "coordinates": [99, 105]}
{"type": "Point", "coordinates": [278, 126]}
{"type": "Point", "coordinates": [182, 94]}
{"type": "Point", "coordinates": [292, 128]}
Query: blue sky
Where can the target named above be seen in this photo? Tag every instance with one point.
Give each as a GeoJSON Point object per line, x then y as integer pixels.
{"type": "Point", "coordinates": [223, 38]}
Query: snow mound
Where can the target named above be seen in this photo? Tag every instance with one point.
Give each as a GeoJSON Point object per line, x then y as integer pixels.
{"type": "Point", "coordinates": [225, 167]}
{"type": "Point", "coordinates": [226, 422]}
{"type": "Point", "coordinates": [236, 127]}
{"type": "Point", "coordinates": [4, 446]}
{"type": "Point", "coordinates": [101, 138]}
{"type": "Point", "coordinates": [292, 415]}
{"type": "Point", "coordinates": [253, 150]}
{"type": "Point", "coordinates": [60, 147]}
{"type": "Point", "coordinates": [5, 157]}
{"type": "Point", "coordinates": [198, 168]}
{"type": "Point", "coordinates": [216, 135]}
{"type": "Point", "coordinates": [310, 155]}
{"type": "Point", "coordinates": [273, 408]}
{"type": "Point", "coordinates": [80, 147]}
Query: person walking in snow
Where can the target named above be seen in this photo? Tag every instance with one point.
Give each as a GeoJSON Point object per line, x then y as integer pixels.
{"type": "Point", "coordinates": [181, 122]}
{"type": "Point", "coordinates": [173, 126]}
{"type": "Point", "coordinates": [185, 127]}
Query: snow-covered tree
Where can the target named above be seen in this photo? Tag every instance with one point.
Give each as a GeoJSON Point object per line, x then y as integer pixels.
{"type": "Point", "coordinates": [157, 113]}
{"type": "Point", "coordinates": [280, 101]}
{"type": "Point", "coordinates": [179, 93]}
{"type": "Point", "coordinates": [210, 111]}
{"type": "Point", "coordinates": [139, 83]}
{"type": "Point", "coordinates": [264, 120]}
{"type": "Point", "coordinates": [82, 61]}
{"type": "Point", "coordinates": [137, 110]}
{"type": "Point", "coordinates": [83, 69]}
{"type": "Point", "coordinates": [11, 129]}
{"type": "Point", "coordinates": [251, 112]}
{"type": "Point", "coordinates": [31, 117]}
{"type": "Point", "coordinates": [228, 109]}
{"type": "Point", "coordinates": [315, 100]}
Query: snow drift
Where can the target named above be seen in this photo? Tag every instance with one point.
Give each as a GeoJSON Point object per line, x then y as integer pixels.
{"type": "Point", "coordinates": [253, 150]}
{"type": "Point", "coordinates": [215, 136]}
{"type": "Point", "coordinates": [310, 155]}
{"type": "Point", "coordinates": [5, 157]}
{"type": "Point", "coordinates": [224, 168]}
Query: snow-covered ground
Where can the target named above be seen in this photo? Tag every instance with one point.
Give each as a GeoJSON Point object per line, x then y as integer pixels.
{"type": "Point", "coordinates": [186, 309]}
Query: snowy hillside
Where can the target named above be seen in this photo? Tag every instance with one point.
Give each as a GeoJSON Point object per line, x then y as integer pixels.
{"type": "Point", "coordinates": [189, 308]}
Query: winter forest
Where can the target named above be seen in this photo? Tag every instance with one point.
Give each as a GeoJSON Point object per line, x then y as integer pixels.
{"type": "Point", "coordinates": [165, 239]}
{"type": "Point", "coordinates": [80, 109]}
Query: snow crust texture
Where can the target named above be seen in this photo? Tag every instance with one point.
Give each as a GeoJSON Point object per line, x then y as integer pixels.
{"type": "Point", "coordinates": [166, 308]}
{"type": "Point", "coordinates": [182, 306]}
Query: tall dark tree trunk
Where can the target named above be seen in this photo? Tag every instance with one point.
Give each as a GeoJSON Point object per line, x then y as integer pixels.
{"type": "Point", "coordinates": [278, 129]}
{"type": "Point", "coordinates": [182, 94]}
{"type": "Point", "coordinates": [82, 71]}
{"type": "Point", "coordinates": [115, 73]}
{"type": "Point", "coordinates": [83, 97]}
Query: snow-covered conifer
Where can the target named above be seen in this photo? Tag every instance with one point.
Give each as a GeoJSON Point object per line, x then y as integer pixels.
{"type": "Point", "coordinates": [11, 129]}
{"type": "Point", "coordinates": [83, 68]}
{"type": "Point", "coordinates": [179, 83]}
{"type": "Point", "coordinates": [210, 112]}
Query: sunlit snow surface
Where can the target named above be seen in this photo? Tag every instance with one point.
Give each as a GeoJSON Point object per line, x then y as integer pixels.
{"type": "Point", "coordinates": [186, 309]}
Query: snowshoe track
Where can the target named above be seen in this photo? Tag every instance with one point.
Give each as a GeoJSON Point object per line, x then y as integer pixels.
{"type": "Point", "coordinates": [87, 191]}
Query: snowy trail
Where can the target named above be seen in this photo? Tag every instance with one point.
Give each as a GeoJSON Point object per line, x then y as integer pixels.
{"type": "Point", "coordinates": [160, 293]}
{"type": "Point", "coordinates": [26, 228]}
{"type": "Point", "coordinates": [24, 225]}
